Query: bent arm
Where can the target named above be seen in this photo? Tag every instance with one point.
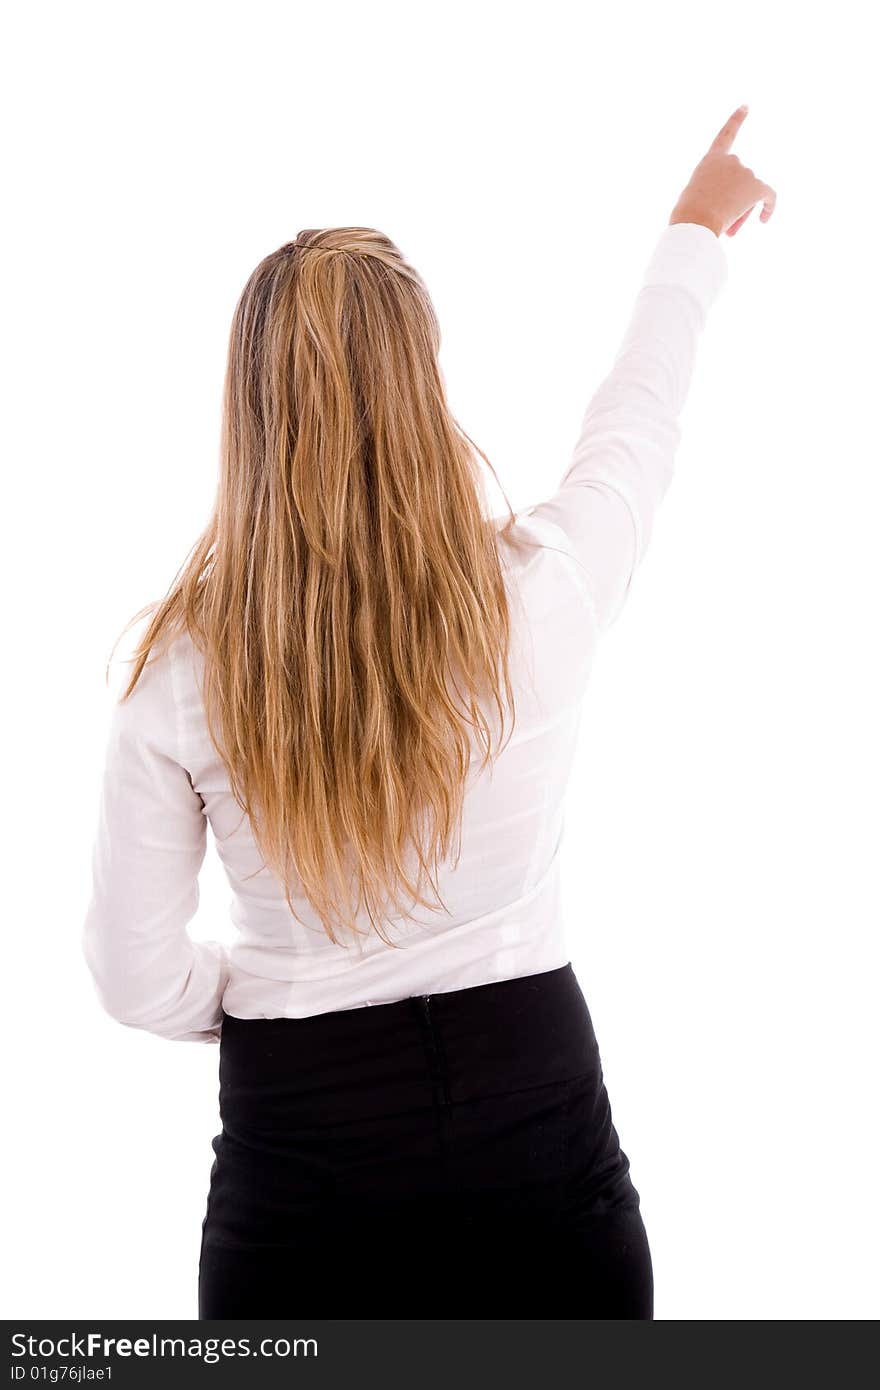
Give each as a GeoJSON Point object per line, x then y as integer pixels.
{"type": "Point", "coordinates": [148, 850]}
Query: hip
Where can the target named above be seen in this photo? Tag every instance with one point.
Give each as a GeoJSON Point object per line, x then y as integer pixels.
{"type": "Point", "coordinates": [465, 1135]}
{"type": "Point", "coordinates": [472, 1092]}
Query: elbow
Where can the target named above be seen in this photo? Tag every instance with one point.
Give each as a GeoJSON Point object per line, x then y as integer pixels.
{"type": "Point", "coordinates": [153, 1001]}
{"type": "Point", "coordinates": [113, 984]}
{"type": "Point", "coordinates": [116, 1001]}
{"type": "Point", "coordinates": [119, 1004]}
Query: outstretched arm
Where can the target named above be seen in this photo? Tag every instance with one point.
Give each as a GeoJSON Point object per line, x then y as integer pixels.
{"type": "Point", "coordinates": [623, 459]}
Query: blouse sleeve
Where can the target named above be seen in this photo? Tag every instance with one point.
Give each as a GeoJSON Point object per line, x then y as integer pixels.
{"type": "Point", "coordinates": [149, 847]}
{"type": "Point", "coordinates": [623, 459]}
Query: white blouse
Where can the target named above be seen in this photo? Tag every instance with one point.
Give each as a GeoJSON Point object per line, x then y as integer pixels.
{"type": "Point", "coordinates": [163, 784]}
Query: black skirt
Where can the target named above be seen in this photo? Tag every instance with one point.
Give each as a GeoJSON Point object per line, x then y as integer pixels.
{"type": "Point", "coordinates": [449, 1155]}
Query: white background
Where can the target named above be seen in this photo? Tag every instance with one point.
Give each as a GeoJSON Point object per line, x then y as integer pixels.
{"type": "Point", "coordinates": [722, 832]}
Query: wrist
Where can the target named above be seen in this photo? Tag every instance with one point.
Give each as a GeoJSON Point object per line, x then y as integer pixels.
{"type": "Point", "coordinates": [694, 214]}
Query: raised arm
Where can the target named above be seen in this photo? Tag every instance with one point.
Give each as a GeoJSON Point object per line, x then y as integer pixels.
{"type": "Point", "coordinates": [623, 458]}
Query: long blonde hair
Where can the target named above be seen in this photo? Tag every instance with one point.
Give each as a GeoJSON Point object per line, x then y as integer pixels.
{"type": "Point", "coordinates": [347, 571]}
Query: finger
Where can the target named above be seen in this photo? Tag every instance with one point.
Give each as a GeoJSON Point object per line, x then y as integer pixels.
{"type": "Point", "coordinates": [735, 226]}
{"type": "Point", "coordinates": [769, 196]}
{"type": "Point", "coordinates": [726, 135]}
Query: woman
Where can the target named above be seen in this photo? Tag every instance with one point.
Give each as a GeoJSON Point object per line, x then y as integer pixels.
{"type": "Point", "coordinates": [370, 691]}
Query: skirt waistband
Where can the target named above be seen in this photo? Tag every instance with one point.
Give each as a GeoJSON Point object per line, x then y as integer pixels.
{"type": "Point", "coordinates": [427, 1050]}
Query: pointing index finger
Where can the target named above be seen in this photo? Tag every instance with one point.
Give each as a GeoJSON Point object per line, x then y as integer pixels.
{"type": "Point", "coordinates": [726, 135]}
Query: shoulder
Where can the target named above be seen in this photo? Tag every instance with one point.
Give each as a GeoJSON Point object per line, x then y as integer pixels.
{"type": "Point", "coordinates": [150, 712]}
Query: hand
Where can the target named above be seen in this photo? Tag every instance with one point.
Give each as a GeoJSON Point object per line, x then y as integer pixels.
{"type": "Point", "coordinates": [722, 192]}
